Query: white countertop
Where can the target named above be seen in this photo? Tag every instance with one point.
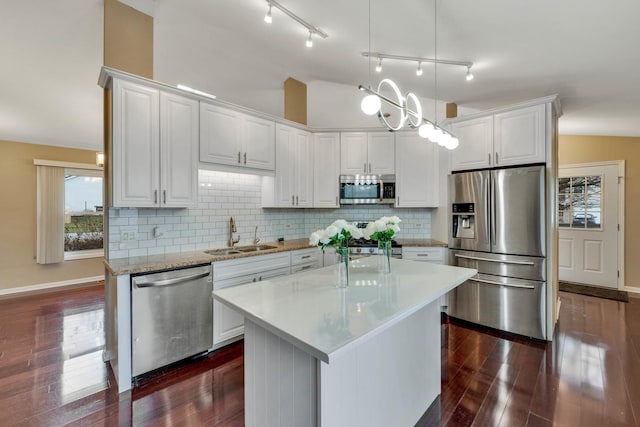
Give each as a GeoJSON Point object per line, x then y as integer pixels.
{"type": "Point", "coordinates": [307, 310]}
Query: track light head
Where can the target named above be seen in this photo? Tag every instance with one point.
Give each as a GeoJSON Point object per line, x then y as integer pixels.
{"type": "Point", "coordinates": [419, 70]}
{"type": "Point", "coordinates": [268, 18]}
{"type": "Point", "coordinates": [309, 40]}
{"type": "Point", "coordinates": [469, 75]}
{"type": "Point", "coordinates": [379, 66]}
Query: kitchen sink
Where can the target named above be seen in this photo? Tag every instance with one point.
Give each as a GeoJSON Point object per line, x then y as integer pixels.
{"type": "Point", "coordinates": [221, 252]}
{"type": "Point", "coordinates": [255, 248]}
{"type": "Point", "coordinates": [239, 250]}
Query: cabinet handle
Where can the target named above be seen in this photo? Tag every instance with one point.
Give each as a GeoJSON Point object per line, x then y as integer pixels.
{"type": "Point", "coordinates": [364, 167]}
{"type": "Point", "coordinates": [293, 200]}
{"type": "Point", "coordinates": [297, 204]}
{"type": "Point", "coordinates": [369, 167]}
{"type": "Point", "coordinates": [497, 158]}
{"type": "Point", "coordinates": [423, 255]}
{"type": "Point", "coordinates": [337, 203]}
{"type": "Point", "coordinates": [245, 157]}
{"type": "Point", "coordinates": [306, 267]}
{"type": "Point", "coordinates": [305, 257]}
{"type": "Point", "coordinates": [239, 157]}
{"type": "Point", "coordinates": [164, 196]}
{"type": "Point", "coordinates": [155, 196]}
{"type": "Point", "coordinates": [254, 280]}
{"type": "Point", "coordinates": [260, 279]}
{"type": "Point", "coordinates": [489, 158]}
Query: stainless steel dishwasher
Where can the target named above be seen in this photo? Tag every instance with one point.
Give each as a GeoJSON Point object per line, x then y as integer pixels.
{"type": "Point", "coordinates": [172, 316]}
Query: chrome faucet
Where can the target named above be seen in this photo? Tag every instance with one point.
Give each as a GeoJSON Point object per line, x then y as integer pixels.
{"type": "Point", "coordinates": [256, 239]}
{"type": "Point", "coordinates": [232, 229]}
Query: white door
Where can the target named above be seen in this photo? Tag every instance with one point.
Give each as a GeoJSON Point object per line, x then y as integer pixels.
{"type": "Point", "coordinates": [476, 144]}
{"type": "Point", "coordinates": [353, 153]}
{"type": "Point", "coordinates": [381, 153]}
{"type": "Point", "coordinates": [588, 215]}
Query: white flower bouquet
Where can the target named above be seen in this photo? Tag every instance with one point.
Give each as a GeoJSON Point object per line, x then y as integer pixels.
{"type": "Point", "coordinates": [383, 230]}
{"type": "Point", "coordinates": [337, 234]}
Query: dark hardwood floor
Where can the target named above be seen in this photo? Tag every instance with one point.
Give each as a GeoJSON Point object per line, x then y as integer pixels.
{"type": "Point", "coordinates": [52, 374]}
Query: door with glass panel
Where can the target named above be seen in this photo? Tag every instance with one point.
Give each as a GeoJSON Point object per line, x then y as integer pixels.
{"type": "Point", "coordinates": [588, 200]}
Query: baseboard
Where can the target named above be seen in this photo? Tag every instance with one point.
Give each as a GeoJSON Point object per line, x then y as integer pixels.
{"type": "Point", "coordinates": [633, 290]}
{"type": "Point", "coordinates": [43, 287]}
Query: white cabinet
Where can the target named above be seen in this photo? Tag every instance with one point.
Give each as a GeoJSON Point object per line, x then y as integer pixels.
{"type": "Point", "coordinates": [367, 152]}
{"type": "Point", "coordinates": [292, 185]}
{"type": "Point", "coordinates": [476, 144]}
{"type": "Point", "coordinates": [232, 138]}
{"type": "Point", "coordinates": [433, 254]}
{"type": "Point", "coordinates": [306, 259]}
{"type": "Point", "coordinates": [512, 137]}
{"type": "Point", "coordinates": [519, 136]}
{"type": "Point", "coordinates": [228, 325]}
{"type": "Point", "coordinates": [417, 176]}
{"type": "Point", "coordinates": [154, 148]}
{"type": "Point", "coordinates": [326, 170]}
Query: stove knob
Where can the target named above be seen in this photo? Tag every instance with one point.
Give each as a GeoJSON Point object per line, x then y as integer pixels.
{"type": "Point", "coordinates": [371, 250]}
{"type": "Point", "coordinates": [359, 250]}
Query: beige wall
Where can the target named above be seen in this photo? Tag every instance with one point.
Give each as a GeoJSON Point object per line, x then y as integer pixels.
{"type": "Point", "coordinates": [586, 149]}
{"type": "Point", "coordinates": [18, 267]}
{"type": "Point", "coordinates": [128, 39]}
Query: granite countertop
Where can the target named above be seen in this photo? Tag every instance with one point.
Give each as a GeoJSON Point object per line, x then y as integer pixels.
{"type": "Point", "coordinates": [307, 310]}
{"type": "Point", "coordinates": [422, 242]}
{"type": "Point", "coordinates": [162, 262]}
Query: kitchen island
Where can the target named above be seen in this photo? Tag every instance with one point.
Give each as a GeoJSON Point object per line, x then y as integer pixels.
{"type": "Point", "coordinates": [365, 355]}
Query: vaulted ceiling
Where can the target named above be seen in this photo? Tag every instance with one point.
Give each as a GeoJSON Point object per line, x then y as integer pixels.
{"type": "Point", "coordinates": [583, 50]}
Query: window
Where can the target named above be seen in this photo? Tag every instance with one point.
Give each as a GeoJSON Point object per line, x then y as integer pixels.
{"type": "Point", "coordinates": [580, 202]}
{"type": "Point", "coordinates": [83, 214]}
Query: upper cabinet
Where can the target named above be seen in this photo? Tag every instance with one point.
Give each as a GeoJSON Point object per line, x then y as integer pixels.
{"type": "Point", "coordinates": [326, 170]}
{"type": "Point", "coordinates": [292, 185]}
{"type": "Point", "coordinates": [417, 172]}
{"type": "Point", "coordinates": [367, 153]}
{"type": "Point", "coordinates": [232, 138]}
{"type": "Point", "coordinates": [512, 137]}
{"type": "Point", "coordinates": [154, 147]}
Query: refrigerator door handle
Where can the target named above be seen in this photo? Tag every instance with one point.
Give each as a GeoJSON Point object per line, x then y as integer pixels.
{"type": "Point", "coordinates": [475, 258]}
{"type": "Point", "coordinates": [492, 210]}
{"type": "Point", "coordinates": [508, 285]}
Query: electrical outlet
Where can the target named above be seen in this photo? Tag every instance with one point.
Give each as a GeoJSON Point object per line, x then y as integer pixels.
{"type": "Point", "coordinates": [127, 236]}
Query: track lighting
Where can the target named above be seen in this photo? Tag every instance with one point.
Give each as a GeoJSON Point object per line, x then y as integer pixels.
{"type": "Point", "coordinates": [312, 29]}
{"type": "Point", "coordinates": [419, 60]}
{"type": "Point", "coordinates": [268, 18]}
{"type": "Point", "coordinates": [379, 66]}
{"type": "Point", "coordinates": [469, 75]}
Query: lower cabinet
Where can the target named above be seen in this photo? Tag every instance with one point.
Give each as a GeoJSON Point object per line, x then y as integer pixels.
{"type": "Point", "coordinates": [228, 325]}
{"type": "Point", "coordinates": [306, 259]}
{"type": "Point", "coordinates": [432, 254]}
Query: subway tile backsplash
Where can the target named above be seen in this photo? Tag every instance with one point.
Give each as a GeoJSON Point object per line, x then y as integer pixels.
{"type": "Point", "coordinates": [146, 231]}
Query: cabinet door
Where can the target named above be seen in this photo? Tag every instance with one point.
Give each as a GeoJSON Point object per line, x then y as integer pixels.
{"type": "Point", "coordinates": [417, 175]}
{"type": "Point", "coordinates": [326, 170]}
{"type": "Point", "coordinates": [353, 153]}
{"type": "Point", "coordinates": [178, 151]}
{"type": "Point", "coordinates": [303, 179]}
{"type": "Point", "coordinates": [476, 144]}
{"type": "Point", "coordinates": [228, 323]}
{"type": "Point", "coordinates": [136, 169]}
{"type": "Point", "coordinates": [220, 133]}
{"type": "Point", "coordinates": [258, 136]}
{"type": "Point", "coordinates": [519, 136]}
{"type": "Point", "coordinates": [381, 153]}
{"type": "Point", "coordinates": [284, 191]}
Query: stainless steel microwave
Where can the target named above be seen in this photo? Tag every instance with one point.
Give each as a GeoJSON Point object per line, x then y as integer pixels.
{"type": "Point", "coordinates": [367, 189]}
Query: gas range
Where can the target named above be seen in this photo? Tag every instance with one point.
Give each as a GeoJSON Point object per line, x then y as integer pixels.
{"type": "Point", "coordinates": [366, 247]}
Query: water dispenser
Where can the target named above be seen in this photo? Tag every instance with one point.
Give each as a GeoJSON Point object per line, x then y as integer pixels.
{"type": "Point", "coordinates": [464, 220]}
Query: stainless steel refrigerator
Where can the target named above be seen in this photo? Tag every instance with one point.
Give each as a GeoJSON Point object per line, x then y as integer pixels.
{"type": "Point", "coordinates": [498, 226]}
